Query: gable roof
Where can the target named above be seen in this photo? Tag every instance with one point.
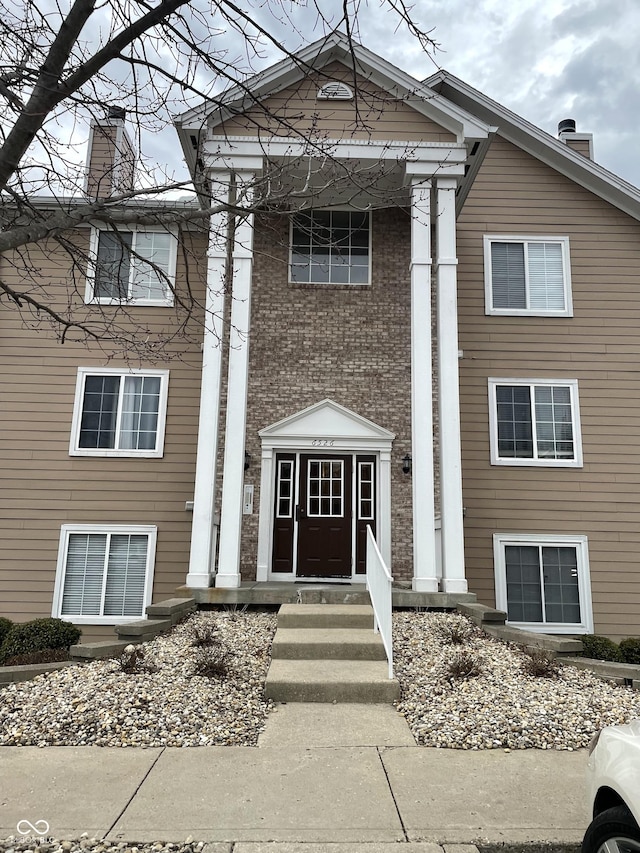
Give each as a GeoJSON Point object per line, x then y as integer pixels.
{"type": "Point", "coordinates": [539, 144]}
{"type": "Point", "coordinates": [313, 57]}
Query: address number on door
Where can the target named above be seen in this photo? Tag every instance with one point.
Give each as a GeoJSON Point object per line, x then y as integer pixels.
{"type": "Point", "coordinates": [322, 442]}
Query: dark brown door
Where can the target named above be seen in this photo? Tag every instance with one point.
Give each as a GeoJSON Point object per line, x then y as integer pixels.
{"type": "Point", "coordinates": [324, 514]}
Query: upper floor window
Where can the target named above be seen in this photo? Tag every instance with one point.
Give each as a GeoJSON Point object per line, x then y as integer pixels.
{"type": "Point", "coordinates": [534, 422]}
{"type": "Point", "coordinates": [331, 247]}
{"type": "Point", "coordinates": [119, 412]}
{"type": "Point", "coordinates": [132, 266]}
{"type": "Point", "coordinates": [527, 275]}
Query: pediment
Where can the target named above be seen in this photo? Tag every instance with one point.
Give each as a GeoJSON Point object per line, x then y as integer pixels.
{"type": "Point", "coordinates": [327, 420]}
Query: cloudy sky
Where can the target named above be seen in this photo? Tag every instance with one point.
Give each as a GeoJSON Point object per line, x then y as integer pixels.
{"type": "Point", "coordinates": [544, 59]}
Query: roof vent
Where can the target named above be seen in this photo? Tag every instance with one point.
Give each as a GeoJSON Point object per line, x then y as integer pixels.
{"type": "Point", "coordinates": [567, 125]}
{"type": "Point", "coordinates": [335, 91]}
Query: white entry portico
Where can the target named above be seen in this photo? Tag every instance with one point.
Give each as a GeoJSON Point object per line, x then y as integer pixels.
{"type": "Point", "coordinates": [423, 177]}
{"type": "Point", "coordinates": [325, 430]}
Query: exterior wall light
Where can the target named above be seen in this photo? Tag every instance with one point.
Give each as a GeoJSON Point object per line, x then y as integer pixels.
{"type": "Point", "coordinates": [406, 464]}
{"type": "Point", "coordinates": [247, 460]}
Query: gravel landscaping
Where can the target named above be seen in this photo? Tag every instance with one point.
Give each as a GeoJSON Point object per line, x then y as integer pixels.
{"type": "Point", "coordinates": [502, 706]}
{"type": "Point", "coordinates": [461, 689]}
{"type": "Point", "coordinates": [99, 704]}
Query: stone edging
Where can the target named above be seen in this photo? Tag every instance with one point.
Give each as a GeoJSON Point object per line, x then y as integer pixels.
{"type": "Point", "coordinates": [566, 648]}
{"type": "Point", "coordinates": [164, 616]}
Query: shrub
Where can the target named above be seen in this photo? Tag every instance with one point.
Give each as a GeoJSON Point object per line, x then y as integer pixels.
{"type": "Point", "coordinates": [133, 661]}
{"type": "Point", "coordinates": [539, 663]}
{"type": "Point", "coordinates": [205, 635]}
{"type": "Point", "coordinates": [5, 627]}
{"type": "Point", "coordinates": [454, 632]}
{"type": "Point", "coordinates": [600, 648]}
{"type": "Point", "coordinates": [630, 650]}
{"type": "Point", "coordinates": [211, 662]}
{"type": "Point", "coordinates": [38, 635]}
{"type": "Point", "coordinates": [463, 665]}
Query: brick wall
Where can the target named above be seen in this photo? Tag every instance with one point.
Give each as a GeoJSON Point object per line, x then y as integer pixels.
{"type": "Point", "coordinates": [348, 343]}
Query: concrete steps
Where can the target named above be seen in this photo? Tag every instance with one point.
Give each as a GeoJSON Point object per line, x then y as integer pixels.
{"type": "Point", "coordinates": [329, 653]}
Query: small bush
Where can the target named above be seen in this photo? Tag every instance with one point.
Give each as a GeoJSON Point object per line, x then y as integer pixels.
{"type": "Point", "coordinates": [45, 656]}
{"type": "Point", "coordinates": [133, 661]}
{"type": "Point", "coordinates": [5, 627]}
{"type": "Point", "coordinates": [630, 650]}
{"type": "Point", "coordinates": [539, 663]}
{"type": "Point", "coordinates": [211, 662]}
{"type": "Point", "coordinates": [38, 635]}
{"type": "Point", "coordinates": [205, 635]}
{"type": "Point", "coordinates": [600, 648]}
{"type": "Point", "coordinates": [455, 633]}
{"type": "Point", "coordinates": [463, 665]}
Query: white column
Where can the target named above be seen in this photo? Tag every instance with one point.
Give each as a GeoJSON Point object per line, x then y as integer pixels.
{"type": "Point", "coordinates": [453, 573]}
{"type": "Point", "coordinates": [424, 547]}
{"type": "Point", "coordinates": [234, 440]}
{"type": "Point", "coordinates": [203, 530]}
{"type": "Point", "coordinates": [385, 506]}
{"type": "Point", "coordinates": [265, 521]}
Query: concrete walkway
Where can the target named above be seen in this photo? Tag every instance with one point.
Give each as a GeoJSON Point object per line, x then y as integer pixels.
{"type": "Point", "coordinates": [340, 775]}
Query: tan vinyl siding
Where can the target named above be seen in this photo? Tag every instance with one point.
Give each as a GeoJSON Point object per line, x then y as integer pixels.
{"type": "Point", "coordinates": [518, 195]}
{"type": "Point", "coordinates": [374, 114]}
{"type": "Point", "coordinates": [42, 487]}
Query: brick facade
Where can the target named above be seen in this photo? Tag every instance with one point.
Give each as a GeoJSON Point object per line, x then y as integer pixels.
{"type": "Point", "coordinates": [351, 344]}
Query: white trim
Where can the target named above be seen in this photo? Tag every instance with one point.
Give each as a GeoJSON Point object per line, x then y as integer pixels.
{"type": "Point", "coordinates": [453, 578]}
{"type": "Point", "coordinates": [204, 530]}
{"type": "Point", "coordinates": [367, 283]}
{"type": "Point", "coordinates": [228, 574]}
{"type": "Point", "coordinates": [169, 285]}
{"type": "Point", "coordinates": [572, 385]}
{"type": "Point", "coordinates": [83, 372]}
{"type": "Point", "coordinates": [305, 432]}
{"type": "Point", "coordinates": [148, 530]}
{"type": "Point", "coordinates": [580, 542]}
{"type": "Point", "coordinates": [488, 239]}
{"type": "Point", "coordinates": [422, 479]}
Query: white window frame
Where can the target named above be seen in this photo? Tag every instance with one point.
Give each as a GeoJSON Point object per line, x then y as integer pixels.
{"type": "Point", "coordinates": [66, 530]}
{"type": "Point", "coordinates": [496, 459]}
{"type": "Point", "coordinates": [366, 283]}
{"type": "Point", "coordinates": [168, 300]}
{"type": "Point", "coordinates": [83, 372]}
{"type": "Point", "coordinates": [580, 543]}
{"type": "Point", "coordinates": [567, 311]}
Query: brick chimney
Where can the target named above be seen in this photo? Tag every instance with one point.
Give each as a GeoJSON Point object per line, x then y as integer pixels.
{"type": "Point", "coordinates": [580, 142]}
{"type": "Point", "coordinates": [111, 159]}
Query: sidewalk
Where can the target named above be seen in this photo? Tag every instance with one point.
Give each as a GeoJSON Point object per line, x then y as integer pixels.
{"type": "Point", "coordinates": [325, 774]}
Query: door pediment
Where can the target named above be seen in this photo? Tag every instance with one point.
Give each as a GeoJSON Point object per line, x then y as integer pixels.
{"type": "Point", "coordinates": [327, 421]}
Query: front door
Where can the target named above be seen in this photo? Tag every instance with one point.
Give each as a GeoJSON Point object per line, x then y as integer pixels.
{"type": "Point", "coordinates": [323, 506]}
{"type": "Point", "coordinates": [324, 513]}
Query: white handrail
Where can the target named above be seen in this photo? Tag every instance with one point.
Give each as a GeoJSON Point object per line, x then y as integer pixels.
{"type": "Point", "coordinates": [379, 582]}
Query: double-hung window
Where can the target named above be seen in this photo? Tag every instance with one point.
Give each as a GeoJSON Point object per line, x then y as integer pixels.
{"type": "Point", "coordinates": [535, 422]}
{"type": "Point", "coordinates": [135, 267]}
{"type": "Point", "coordinates": [104, 573]}
{"type": "Point", "coordinates": [119, 412]}
{"type": "Point", "coordinates": [542, 582]}
{"type": "Point", "coordinates": [331, 247]}
{"type": "Point", "coordinates": [527, 276]}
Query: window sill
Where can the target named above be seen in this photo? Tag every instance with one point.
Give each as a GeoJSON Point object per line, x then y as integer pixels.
{"type": "Point", "coordinates": [538, 463]}
{"type": "Point", "coordinates": [525, 312]}
{"type": "Point", "coordinates": [122, 454]}
{"type": "Point", "coordinates": [133, 303]}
